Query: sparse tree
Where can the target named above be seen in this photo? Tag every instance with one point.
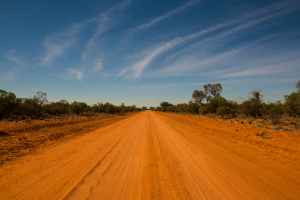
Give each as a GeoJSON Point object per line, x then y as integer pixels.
{"type": "Point", "coordinates": [213, 89]}
{"type": "Point", "coordinates": [198, 96]}
{"type": "Point", "coordinates": [8, 103]}
{"type": "Point", "coordinates": [78, 107]}
{"type": "Point", "coordinates": [256, 94]}
{"type": "Point", "coordinates": [34, 106]}
{"type": "Point", "coordinates": [122, 105]}
{"type": "Point", "coordinates": [165, 104]}
{"type": "Point", "coordinates": [298, 86]}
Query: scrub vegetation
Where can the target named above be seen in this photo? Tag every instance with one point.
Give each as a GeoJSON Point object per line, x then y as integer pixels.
{"type": "Point", "coordinates": [210, 102]}
{"type": "Point", "coordinates": [38, 107]}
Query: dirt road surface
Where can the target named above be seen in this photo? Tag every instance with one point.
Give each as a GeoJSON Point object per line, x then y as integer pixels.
{"type": "Point", "coordinates": [153, 155]}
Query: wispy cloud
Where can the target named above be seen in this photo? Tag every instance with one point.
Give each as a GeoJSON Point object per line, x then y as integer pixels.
{"type": "Point", "coordinates": [168, 14]}
{"type": "Point", "coordinates": [104, 22]}
{"type": "Point", "coordinates": [8, 75]}
{"type": "Point", "coordinates": [192, 63]}
{"type": "Point", "coordinates": [10, 56]}
{"type": "Point", "coordinates": [78, 74]}
{"type": "Point", "coordinates": [139, 66]}
{"type": "Point", "coordinates": [98, 65]}
{"type": "Point", "coordinates": [259, 71]}
{"type": "Point", "coordinates": [57, 43]}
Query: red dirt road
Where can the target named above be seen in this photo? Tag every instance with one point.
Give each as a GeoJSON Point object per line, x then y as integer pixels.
{"type": "Point", "coordinates": [154, 155]}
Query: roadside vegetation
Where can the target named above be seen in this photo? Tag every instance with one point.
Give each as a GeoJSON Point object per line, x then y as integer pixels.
{"type": "Point", "coordinates": [209, 102]}
{"type": "Point", "coordinates": [37, 107]}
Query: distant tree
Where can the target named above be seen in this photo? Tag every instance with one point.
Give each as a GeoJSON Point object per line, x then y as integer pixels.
{"type": "Point", "coordinates": [198, 96]}
{"type": "Point", "coordinates": [34, 106]}
{"type": "Point", "coordinates": [257, 94]}
{"type": "Point", "coordinates": [122, 105]}
{"type": "Point", "coordinates": [298, 86]}
{"type": "Point", "coordinates": [134, 106]}
{"type": "Point", "coordinates": [223, 110]}
{"type": "Point", "coordinates": [8, 103]}
{"type": "Point", "coordinates": [254, 106]}
{"type": "Point", "coordinates": [144, 108]}
{"type": "Point", "coordinates": [208, 98]}
{"type": "Point", "coordinates": [213, 89]}
{"type": "Point", "coordinates": [165, 104]}
{"type": "Point", "coordinates": [193, 107]}
{"type": "Point", "coordinates": [78, 107]}
{"type": "Point", "coordinates": [275, 112]}
{"type": "Point", "coordinates": [292, 103]}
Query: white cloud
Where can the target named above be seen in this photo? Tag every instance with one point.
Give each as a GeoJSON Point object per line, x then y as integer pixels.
{"type": "Point", "coordinates": [263, 70]}
{"type": "Point", "coordinates": [174, 11]}
{"type": "Point", "coordinates": [189, 64]}
{"type": "Point", "coordinates": [7, 75]}
{"type": "Point", "coordinates": [75, 72]}
{"type": "Point", "coordinates": [98, 65]}
{"type": "Point", "coordinates": [104, 22]}
{"type": "Point", "coordinates": [139, 66]}
{"type": "Point", "coordinates": [57, 43]}
{"type": "Point", "coordinates": [13, 58]}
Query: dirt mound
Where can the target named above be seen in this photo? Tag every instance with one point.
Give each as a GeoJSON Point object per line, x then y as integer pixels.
{"type": "Point", "coordinates": [21, 138]}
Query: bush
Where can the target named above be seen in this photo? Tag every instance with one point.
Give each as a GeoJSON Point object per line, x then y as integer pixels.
{"type": "Point", "coordinates": [34, 106]}
{"type": "Point", "coordinates": [292, 103]}
{"type": "Point", "coordinates": [203, 110]}
{"type": "Point", "coordinates": [78, 107]}
{"type": "Point", "coordinates": [275, 112]}
{"type": "Point", "coordinates": [222, 111]}
{"type": "Point", "coordinates": [8, 103]}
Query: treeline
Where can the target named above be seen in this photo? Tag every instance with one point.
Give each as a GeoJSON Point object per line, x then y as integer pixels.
{"type": "Point", "coordinates": [210, 101]}
{"type": "Point", "coordinates": [38, 106]}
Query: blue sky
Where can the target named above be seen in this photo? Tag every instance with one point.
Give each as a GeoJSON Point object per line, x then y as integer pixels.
{"type": "Point", "coordinates": [144, 52]}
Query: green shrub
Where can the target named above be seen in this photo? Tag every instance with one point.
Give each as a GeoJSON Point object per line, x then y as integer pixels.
{"type": "Point", "coordinates": [223, 110]}
{"type": "Point", "coordinates": [78, 107]}
{"type": "Point", "coordinates": [8, 103]}
{"type": "Point", "coordinates": [276, 112]}
{"type": "Point", "coordinates": [263, 134]}
{"type": "Point", "coordinates": [292, 103]}
{"type": "Point", "coordinates": [203, 110]}
{"type": "Point", "coordinates": [34, 106]}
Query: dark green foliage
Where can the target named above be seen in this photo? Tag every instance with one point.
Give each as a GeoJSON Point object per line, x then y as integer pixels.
{"type": "Point", "coordinates": [213, 89]}
{"type": "Point", "coordinates": [198, 96]}
{"type": "Point", "coordinates": [78, 107]}
{"type": "Point", "coordinates": [165, 104]}
{"type": "Point", "coordinates": [203, 110]}
{"type": "Point", "coordinates": [8, 103]}
{"type": "Point", "coordinates": [192, 107]}
{"type": "Point", "coordinates": [275, 112]}
{"type": "Point", "coordinates": [38, 106]}
{"type": "Point", "coordinates": [254, 106]}
{"type": "Point", "coordinates": [298, 86]}
{"type": "Point", "coordinates": [57, 108]}
{"type": "Point", "coordinates": [223, 110]}
{"type": "Point", "coordinates": [34, 106]}
{"type": "Point", "coordinates": [263, 134]}
{"type": "Point", "coordinates": [292, 103]}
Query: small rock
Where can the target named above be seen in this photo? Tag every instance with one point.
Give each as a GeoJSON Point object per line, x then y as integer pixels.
{"type": "Point", "coordinates": [278, 128]}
